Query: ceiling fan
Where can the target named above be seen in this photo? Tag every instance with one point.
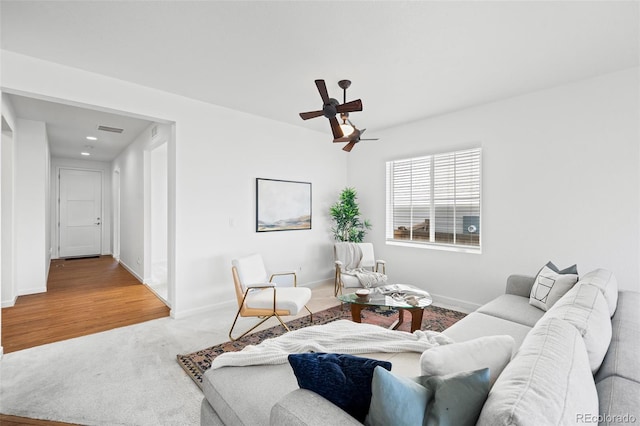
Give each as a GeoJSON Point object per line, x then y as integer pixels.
{"type": "Point", "coordinates": [353, 138]}
{"type": "Point", "coordinates": [331, 107]}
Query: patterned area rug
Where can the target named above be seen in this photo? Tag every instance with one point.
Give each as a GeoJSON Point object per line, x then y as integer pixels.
{"type": "Point", "coordinates": [434, 318]}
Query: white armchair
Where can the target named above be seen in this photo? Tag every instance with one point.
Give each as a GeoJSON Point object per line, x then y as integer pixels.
{"type": "Point", "coordinates": [353, 256]}
{"type": "Point", "coordinates": [259, 296]}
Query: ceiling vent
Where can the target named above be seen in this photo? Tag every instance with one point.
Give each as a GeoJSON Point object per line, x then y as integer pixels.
{"type": "Point", "coordinates": [110, 129]}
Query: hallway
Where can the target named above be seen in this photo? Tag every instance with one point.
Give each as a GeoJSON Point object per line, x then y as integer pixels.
{"type": "Point", "coordinates": [84, 296]}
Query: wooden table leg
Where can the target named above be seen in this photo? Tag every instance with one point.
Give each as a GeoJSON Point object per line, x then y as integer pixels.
{"type": "Point", "coordinates": [355, 312]}
{"type": "Point", "coordinates": [397, 323]}
{"type": "Point", "coordinates": [416, 318]}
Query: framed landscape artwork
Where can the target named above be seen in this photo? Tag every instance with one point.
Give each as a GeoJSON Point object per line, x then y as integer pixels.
{"type": "Point", "coordinates": [282, 205]}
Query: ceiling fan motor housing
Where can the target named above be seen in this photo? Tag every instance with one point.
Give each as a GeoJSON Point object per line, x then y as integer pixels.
{"type": "Point", "coordinates": [329, 110]}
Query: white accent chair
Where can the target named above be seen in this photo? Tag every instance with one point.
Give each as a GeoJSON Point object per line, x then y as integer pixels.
{"type": "Point", "coordinates": [258, 296]}
{"type": "Point", "coordinates": [348, 256]}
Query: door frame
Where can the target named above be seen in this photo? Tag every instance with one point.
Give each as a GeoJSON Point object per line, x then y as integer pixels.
{"type": "Point", "coordinates": [56, 247]}
{"type": "Point", "coordinates": [149, 215]}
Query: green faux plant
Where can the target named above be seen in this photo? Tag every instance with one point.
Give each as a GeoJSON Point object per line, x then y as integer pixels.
{"type": "Point", "coordinates": [346, 217]}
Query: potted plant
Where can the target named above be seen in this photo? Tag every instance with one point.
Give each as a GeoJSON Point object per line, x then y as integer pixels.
{"type": "Point", "coordinates": [346, 217]}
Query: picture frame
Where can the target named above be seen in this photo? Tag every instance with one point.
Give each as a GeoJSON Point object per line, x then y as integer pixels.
{"type": "Point", "coordinates": [282, 205]}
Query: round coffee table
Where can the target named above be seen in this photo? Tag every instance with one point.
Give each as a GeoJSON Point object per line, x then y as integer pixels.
{"type": "Point", "coordinates": [403, 297]}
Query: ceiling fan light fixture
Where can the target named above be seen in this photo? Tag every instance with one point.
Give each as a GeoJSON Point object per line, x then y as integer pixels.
{"type": "Point", "coordinates": [347, 129]}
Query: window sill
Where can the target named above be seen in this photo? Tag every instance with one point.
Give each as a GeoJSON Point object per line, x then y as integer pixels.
{"type": "Point", "coordinates": [436, 246]}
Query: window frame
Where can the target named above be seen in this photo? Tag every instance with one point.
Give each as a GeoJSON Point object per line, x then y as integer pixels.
{"type": "Point", "coordinates": [390, 238]}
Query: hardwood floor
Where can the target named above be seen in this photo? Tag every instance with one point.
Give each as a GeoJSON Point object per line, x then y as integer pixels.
{"type": "Point", "coordinates": [84, 296]}
{"type": "Point", "coordinates": [23, 421]}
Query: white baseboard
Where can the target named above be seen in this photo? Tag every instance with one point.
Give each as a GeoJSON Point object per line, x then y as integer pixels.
{"type": "Point", "coordinates": [318, 283]}
{"type": "Point", "coordinates": [131, 271]}
{"type": "Point", "coordinates": [32, 290]}
{"type": "Point", "coordinates": [454, 304]}
{"type": "Point", "coordinates": [8, 303]}
{"type": "Point", "coordinates": [202, 309]}
{"type": "Point", "coordinates": [158, 295]}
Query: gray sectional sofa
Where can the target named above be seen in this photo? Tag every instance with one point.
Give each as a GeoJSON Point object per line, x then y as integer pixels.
{"type": "Point", "coordinates": [576, 363]}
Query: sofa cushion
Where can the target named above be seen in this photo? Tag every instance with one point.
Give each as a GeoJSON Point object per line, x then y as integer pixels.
{"type": "Point", "coordinates": [627, 307]}
{"type": "Point", "coordinates": [549, 287]}
{"type": "Point", "coordinates": [493, 352]}
{"type": "Point", "coordinates": [477, 324]}
{"type": "Point", "coordinates": [585, 308]}
{"type": "Point", "coordinates": [305, 407]}
{"type": "Point", "coordinates": [343, 379]}
{"type": "Point", "coordinates": [622, 356]}
{"type": "Point", "coordinates": [291, 299]}
{"type": "Point", "coordinates": [513, 308]}
{"type": "Point", "coordinates": [238, 398]}
{"type": "Point", "coordinates": [607, 283]}
{"type": "Point", "coordinates": [548, 382]}
{"type": "Point", "coordinates": [618, 401]}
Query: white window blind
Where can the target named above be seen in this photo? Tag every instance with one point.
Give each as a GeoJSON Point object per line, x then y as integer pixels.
{"type": "Point", "coordinates": [435, 199]}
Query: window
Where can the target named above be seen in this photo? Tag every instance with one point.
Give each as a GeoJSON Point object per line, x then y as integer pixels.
{"type": "Point", "coordinates": [435, 200]}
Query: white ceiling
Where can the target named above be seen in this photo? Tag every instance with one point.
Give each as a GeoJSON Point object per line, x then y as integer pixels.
{"type": "Point", "coordinates": [407, 59]}
{"type": "Point", "coordinates": [68, 127]}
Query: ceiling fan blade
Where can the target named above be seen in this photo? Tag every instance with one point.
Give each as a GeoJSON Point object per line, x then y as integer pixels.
{"type": "Point", "coordinates": [350, 106]}
{"type": "Point", "coordinates": [342, 139]}
{"type": "Point", "coordinates": [311, 114]}
{"type": "Point", "coordinates": [322, 88]}
{"type": "Point", "coordinates": [376, 139]}
{"type": "Point", "coordinates": [335, 128]}
{"type": "Point", "coordinates": [348, 147]}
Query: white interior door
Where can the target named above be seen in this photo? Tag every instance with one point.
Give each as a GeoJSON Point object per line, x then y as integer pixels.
{"type": "Point", "coordinates": [80, 213]}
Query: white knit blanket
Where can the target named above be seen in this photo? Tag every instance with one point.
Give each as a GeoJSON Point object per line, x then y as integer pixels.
{"type": "Point", "coordinates": [367, 278]}
{"type": "Point", "coordinates": [342, 336]}
{"type": "Point", "coordinates": [349, 253]}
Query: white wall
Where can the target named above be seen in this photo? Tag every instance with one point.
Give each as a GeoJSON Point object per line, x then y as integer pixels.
{"type": "Point", "coordinates": [560, 183]}
{"type": "Point", "coordinates": [130, 165]}
{"type": "Point", "coordinates": [32, 248]}
{"type": "Point", "coordinates": [573, 148]}
{"type": "Point", "coordinates": [8, 289]}
{"type": "Point", "coordinates": [70, 163]}
{"type": "Point", "coordinates": [158, 203]}
{"type": "Point", "coordinates": [215, 166]}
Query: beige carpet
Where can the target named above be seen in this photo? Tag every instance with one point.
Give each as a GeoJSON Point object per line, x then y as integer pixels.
{"type": "Point", "coordinates": [126, 376]}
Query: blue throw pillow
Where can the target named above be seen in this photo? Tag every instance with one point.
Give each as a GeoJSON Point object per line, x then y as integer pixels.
{"type": "Point", "coordinates": [458, 398]}
{"type": "Point", "coordinates": [397, 401]}
{"type": "Point", "coordinates": [345, 380]}
{"type": "Point", "coordinates": [453, 399]}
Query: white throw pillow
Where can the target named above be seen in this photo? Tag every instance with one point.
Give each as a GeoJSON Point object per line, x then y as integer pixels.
{"type": "Point", "coordinates": [493, 352]}
{"type": "Point", "coordinates": [549, 287]}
